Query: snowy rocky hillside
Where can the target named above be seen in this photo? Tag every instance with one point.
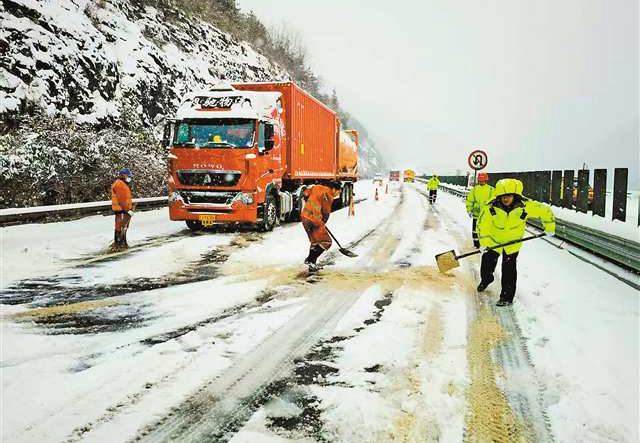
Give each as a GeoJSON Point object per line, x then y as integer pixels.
{"type": "Point", "coordinates": [85, 86]}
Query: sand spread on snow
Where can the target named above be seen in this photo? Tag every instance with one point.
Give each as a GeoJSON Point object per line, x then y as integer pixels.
{"type": "Point", "coordinates": [72, 308]}
{"type": "Point", "coordinates": [489, 416]}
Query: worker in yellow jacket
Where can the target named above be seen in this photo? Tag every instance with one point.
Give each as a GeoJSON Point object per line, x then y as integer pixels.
{"type": "Point", "coordinates": [481, 194]}
{"type": "Point", "coordinates": [501, 221]}
{"type": "Point", "coordinates": [432, 186]}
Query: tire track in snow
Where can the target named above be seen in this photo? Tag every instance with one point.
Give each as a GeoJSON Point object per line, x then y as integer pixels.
{"type": "Point", "coordinates": [69, 289]}
{"type": "Point", "coordinates": [242, 369]}
{"type": "Point", "coordinates": [219, 408]}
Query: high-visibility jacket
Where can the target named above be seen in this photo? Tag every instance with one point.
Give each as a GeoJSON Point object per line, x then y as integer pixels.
{"type": "Point", "coordinates": [121, 196]}
{"type": "Point", "coordinates": [497, 226]}
{"type": "Point", "coordinates": [433, 183]}
{"type": "Point", "coordinates": [479, 196]}
{"type": "Point", "coordinates": [319, 202]}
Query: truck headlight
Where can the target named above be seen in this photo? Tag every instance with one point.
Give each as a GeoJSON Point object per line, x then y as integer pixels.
{"type": "Point", "coordinates": [175, 197]}
{"type": "Point", "coordinates": [244, 197]}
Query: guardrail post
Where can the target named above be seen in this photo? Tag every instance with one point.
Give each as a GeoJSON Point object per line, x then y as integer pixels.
{"type": "Point", "coordinates": [556, 188]}
{"type": "Point", "coordinates": [620, 182]}
{"type": "Point", "coordinates": [524, 178]}
{"type": "Point", "coordinates": [598, 205]}
{"type": "Point", "coordinates": [567, 189]}
{"type": "Point", "coordinates": [531, 187]}
{"type": "Point", "coordinates": [582, 199]}
{"type": "Point", "coordinates": [544, 182]}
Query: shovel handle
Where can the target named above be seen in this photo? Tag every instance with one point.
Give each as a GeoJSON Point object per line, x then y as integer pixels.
{"type": "Point", "coordinates": [333, 236]}
{"type": "Point", "coordinates": [512, 242]}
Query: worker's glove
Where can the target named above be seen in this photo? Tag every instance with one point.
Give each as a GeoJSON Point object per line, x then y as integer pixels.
{"type": "Point", "coordinates": [130, 213]}
{"type": "Point", "coordinates": [550, 234]}
{"type": "Point", "coordinates": [470, 214]}
{"type": "Point", "coordinates": [483, 249]}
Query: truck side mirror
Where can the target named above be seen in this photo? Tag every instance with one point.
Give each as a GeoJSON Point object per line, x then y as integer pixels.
{"type": "Point", "coordinates": [166, 134]}
{"type": "Point", "coordinates": [268, 137]}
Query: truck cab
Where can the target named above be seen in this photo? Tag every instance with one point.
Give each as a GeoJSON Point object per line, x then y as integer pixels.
{"type": "Point", "coordinates": [226, 152]}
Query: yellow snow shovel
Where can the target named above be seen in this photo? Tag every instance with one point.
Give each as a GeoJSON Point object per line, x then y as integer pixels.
{"type": "Point", "coordinates": [449, 260]}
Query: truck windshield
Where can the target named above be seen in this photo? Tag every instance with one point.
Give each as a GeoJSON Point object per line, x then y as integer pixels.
{"type": "Point", "coordinates": [216, 133]}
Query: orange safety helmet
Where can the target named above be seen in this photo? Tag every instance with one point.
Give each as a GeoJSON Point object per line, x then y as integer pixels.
{"type": "Point", "coordinates": [483, 177]}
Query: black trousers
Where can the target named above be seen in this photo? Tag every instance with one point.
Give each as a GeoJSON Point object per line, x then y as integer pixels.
{"type": "Point", "coordinates": [509, 272]}
{"type": "Point", "coordinates": [474, 234]}
{"type": "Point", "coordinates": [433, 193]}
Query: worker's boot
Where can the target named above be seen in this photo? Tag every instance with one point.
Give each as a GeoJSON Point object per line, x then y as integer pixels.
{"type": "Point", "coordinates": [504, 303]}
{"type": "Point", "coordinates": [120, 243]}
{"type": "Point", "coordinates": [116, 240]}
{"type": "Point", "coordinates": [314, 253]}
{"type": "Point", "coordinates": [484, 284]}
{"type": "Point", "coordinates": [123, 238]}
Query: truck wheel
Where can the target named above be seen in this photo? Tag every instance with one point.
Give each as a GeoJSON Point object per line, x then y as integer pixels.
{"type": "Point", "coordinates": [194, 225]}
{"type": "Point", "coordinates": [269, 215]}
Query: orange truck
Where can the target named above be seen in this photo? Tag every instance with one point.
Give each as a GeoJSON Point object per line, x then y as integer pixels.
{"type": "Point", "coordinates": [244, 153]}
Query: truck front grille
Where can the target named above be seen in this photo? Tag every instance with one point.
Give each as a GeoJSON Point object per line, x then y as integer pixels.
{"type": "Point", "coordinates": [218, 198]}
{"type": "Point", "coordinates": [208, 178]}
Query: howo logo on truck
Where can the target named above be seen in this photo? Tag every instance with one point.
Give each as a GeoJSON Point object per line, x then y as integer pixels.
{"type": "Point", "coordinates": [207, 166]}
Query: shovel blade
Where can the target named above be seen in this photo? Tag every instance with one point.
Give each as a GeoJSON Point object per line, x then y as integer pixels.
{"type": "Point", "coordinates": [447, 261]}
{"type": "Point", "coordinates": [348, 253]}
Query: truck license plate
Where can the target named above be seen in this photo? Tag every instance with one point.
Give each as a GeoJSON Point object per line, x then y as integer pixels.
{"type": "Point", "coordinates": [207, 220]}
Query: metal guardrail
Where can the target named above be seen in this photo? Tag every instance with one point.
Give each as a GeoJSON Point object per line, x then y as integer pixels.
{"type": "Point", "coordinates": [621, 251]}
{"type": "Point", "coordinates": [44, 214]}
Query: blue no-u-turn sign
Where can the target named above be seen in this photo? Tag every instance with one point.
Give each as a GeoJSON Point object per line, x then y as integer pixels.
{"type": "Point", "coordinates": [478, 160]}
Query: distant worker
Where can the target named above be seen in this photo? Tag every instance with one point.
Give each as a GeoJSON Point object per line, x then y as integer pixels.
{"type": "Point", "coordinates": [481, 194]}
{"type": "Point", "coordinates": [432, 186]}
{"type": "Point", "coordinates": [315, 213]}
{"type": "Point", "coordinates": [503, 220]}
{"type": "Point", "coordinates": [122, 206]}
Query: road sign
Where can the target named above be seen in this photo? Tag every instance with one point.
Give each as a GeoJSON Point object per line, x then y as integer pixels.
{"type": "Point", "coordinates": [478, 160]}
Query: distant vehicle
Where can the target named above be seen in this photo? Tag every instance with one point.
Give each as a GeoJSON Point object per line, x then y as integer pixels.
{"type": "Point", "coordinates": [394, 176]}
{"type": "Point", "coordinates": [244, 153]}
{"type": "Point", "coordinates": [409, 175]}
{"type": "Point", "coordinates": [378, 179]}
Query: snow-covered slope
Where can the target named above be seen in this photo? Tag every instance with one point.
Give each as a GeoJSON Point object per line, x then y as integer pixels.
{"type": "Point", "coordinates": [114, 69]}
{"type": "Point", "coordinates": [91, 59]}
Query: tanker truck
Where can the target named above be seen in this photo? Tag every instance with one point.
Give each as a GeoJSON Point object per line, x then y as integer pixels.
{"type": "Point", "coordinates": [244, 153]}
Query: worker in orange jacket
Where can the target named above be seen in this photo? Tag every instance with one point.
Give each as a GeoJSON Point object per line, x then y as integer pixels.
{"type": "Point", "coordinates": [122, 206]}
{"type": "Point", "coordinates": [315, 213]}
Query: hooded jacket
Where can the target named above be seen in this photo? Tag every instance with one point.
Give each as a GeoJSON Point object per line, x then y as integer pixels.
{"type": "Point", "coordinates": [499, 224]}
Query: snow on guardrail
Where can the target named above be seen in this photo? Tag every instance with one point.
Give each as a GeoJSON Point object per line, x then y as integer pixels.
{"type": "Point", "coordinates": [10, 216]}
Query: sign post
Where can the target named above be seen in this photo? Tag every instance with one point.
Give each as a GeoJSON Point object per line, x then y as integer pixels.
{"type": "Point", "coordinates": [477, 160]}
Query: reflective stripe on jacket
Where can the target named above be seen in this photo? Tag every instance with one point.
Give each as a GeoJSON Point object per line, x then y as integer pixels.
{"type": "Point", "coordinates": [497, 226]}
{"type": "Point", "coordinates": [433, 183]}
{"type": "Point", "coordinates": [318, 204]}
{"type": "Point", "coordinates": [121, 196]}
{"type": "Point", "coordinates": [479, 196]}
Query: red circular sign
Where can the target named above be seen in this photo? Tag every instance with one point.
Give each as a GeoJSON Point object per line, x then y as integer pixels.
{"type": "Point", "coordinates": [478, 160]}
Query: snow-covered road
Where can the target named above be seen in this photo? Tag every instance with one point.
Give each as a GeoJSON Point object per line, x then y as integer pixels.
{"type": "Point", "coordinates": [221, 337]}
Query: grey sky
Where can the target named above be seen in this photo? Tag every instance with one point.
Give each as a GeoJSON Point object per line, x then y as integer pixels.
{"type": "Point", "coordinates": [538, 84]}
